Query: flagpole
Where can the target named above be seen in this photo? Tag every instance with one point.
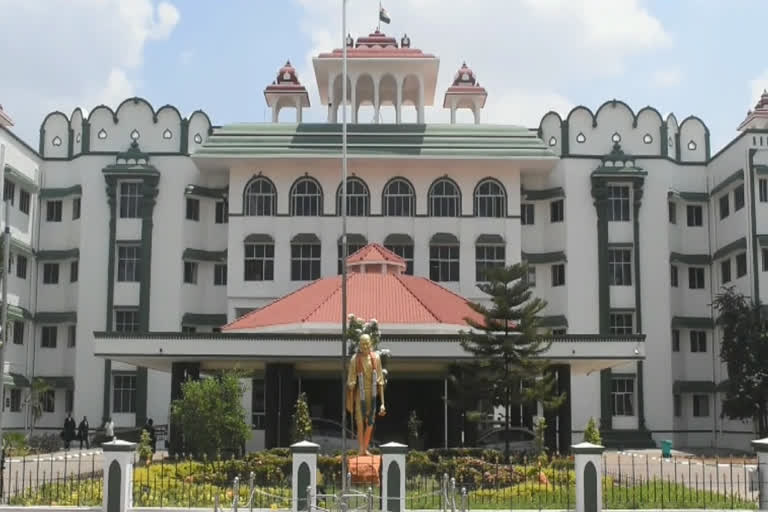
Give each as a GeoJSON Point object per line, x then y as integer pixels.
{"type": "Point", "coordinates": [344, 249]}
{"type": "Point", "coordinates": [378, 16]}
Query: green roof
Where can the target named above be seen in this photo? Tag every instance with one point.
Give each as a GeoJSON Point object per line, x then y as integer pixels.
{"type": "Point", "coordinates": [315, 140]}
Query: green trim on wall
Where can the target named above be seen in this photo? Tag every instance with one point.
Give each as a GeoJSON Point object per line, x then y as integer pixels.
{"type": "Point", "coordinates": [56, 255]}
{"type": "Point", "coordinates": [56, 317]}
{"type": "Point", "coordinates": [663, 135]}
{"type": "Point", "coordinates": [730, 180]}
{"type": "Point", "coordinates": [544, 257]}
{"type": "Point", "coordinates": [693, 386]}
{"type": "Point", "coordinates": [737, 245]}
{"type": "Point", "coordinates": [56, 193]}
{"type": "Point", "coordinates": [16, 380]}
{"type": "Point", "coordinates": [22, 247]}
{"type": "Point", "coordinates": [753, 215]}
{"type": "Point", "coordinates": [59, 382]}
{"type": "Point", "coordinates": [542, 194]}
{"type": "Point", "coordinates": [214, 193]}
{"type": "Point", "coordinates": [553, 321]}
{"type": "Point", "coordinates": [690, 259]}
{"type": "Point", "coordinates": [203, 255]}
{"type": "Point", "coordinates": [19, 313]}
{"type": "Point", "coordinates": [20, 178]}
{"type": "Point", "coordinates": [691, 197]}
{"type": "Point", "coordinates": [762, 240]}
{"type": "Point", "coordinates": [621, 245]}
{"type": "Point", "coordinates": [637, 186]}
{"type": "Point", "coordinates": [206, 319]}
{"type": "Point", "coordinates": [760, 169]}
{"type": "Point", "coordinates": [692, 322]}
{"type": "Point", "coordinates": [565, 142]}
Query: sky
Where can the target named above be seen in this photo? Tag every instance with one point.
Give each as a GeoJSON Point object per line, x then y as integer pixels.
{"type": "Point", "coordinates": [690, 57]}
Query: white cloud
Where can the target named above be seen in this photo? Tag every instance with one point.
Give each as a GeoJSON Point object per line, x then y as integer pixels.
{"type": "Point", "coordinates": [756, 87]}
{"type": "Point", "coordinates": [523, 51]}
{"type": "Point", "coordinates": [667, 77]}
{"type": "Point", "coordinates": [67, 53]}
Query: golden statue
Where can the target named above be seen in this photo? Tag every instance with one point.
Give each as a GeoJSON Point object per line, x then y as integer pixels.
{"type": "Point", "coordinates": [365, 384]}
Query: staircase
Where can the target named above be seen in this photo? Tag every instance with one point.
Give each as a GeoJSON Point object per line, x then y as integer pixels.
{"type": "Point", "coordinates": [627, 439]}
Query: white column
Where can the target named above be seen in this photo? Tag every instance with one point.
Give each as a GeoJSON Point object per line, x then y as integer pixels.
{"type": "Point", "coordinates": [330, 99]}
{"type": "Point", "coordinates": [393, 453]}
{"type": "Point", "coordinates": [420, 106]}
{"type": "Point", "coordinates": [353, 99]}
{"type": "Point", "coordinates": [275, 113]}
{"type": "Point", "coordinates": [304, 453]}
{"type": "Point", "coordinates": [298, 109]}
{"type": "Point", "coordinates": [761, 447]}
{"type": "Point", "coordinates": [118, 475]}
{"type": "Point", "coordinates": [476, 111]}
{"type": "Point", "coordinates": [589, 473]}
{"type": "Point", "coordinates": [399, 101]}
{"type": "Point", "coordinates": [453, 114]}
{"type": "Point", "coordinates": [376, 100]}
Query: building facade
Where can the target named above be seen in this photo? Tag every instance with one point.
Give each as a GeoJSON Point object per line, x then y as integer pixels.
{"type": "Point", "coordinates": [139, 231]}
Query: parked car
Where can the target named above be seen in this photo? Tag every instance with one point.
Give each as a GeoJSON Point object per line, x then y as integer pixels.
{"type": "Point", "coordinates": [327, 433]}
{"type": "Point", "coordinates": [520, 439]}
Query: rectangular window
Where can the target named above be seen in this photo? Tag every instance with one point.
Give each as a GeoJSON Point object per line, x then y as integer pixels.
{"type": "Point", "coordinates": [128, 257]}
{"type": "Point", "coordinates": [48, 400]}
{"type": "Point", "coordinates": [738, 198]}
{"type": "Point", "coordinates": [130, 200]}
{"type": "Point", "coordinates": [76, 208]}
{"type": "Point", "coordinates": [24, 201]}
{"type": "Point", "coordinates": [222, 212]}
{"type": "Point", "coordinates": [725, 271]}
{"type": "Point", "coordinates": [53, 211]}
{"type": "Point", "coordinates": [741, 265]}
{"type": "Point", "coordinates": [696, 278]}
{"type": "Point", "coordinates": [700, 406]}
{"type": "Point", "coordinates": [71, 336]}
{"type": "Point", "coordinates": [763, 190]}
{"type": "Point", "coordinates": [193, 208]}
{"type": "Point", "coordinates": [9, 191]}
{"type": "Point", "coordinates": [305, 262]}
{"type": "Point", "coordinates": [725, 208]}
{"type": "Point", "coordinates": [351, 249]}
{"type": "Point", "coordinates": [673, 277]}
{"type": "Point", "coordinates": [258, 404]}
{"type": "Point", "coordinates": [18, 332]}
{"type": "Point", "coordinates": [487, 257]}
{"type": "Point", "coordinates": [698, 341]}
{"type": "Point", "coordinates": [677, 406]}
{"type": "Point", "coordinates": [405, 252]}
{"type": "Point", "coordinates": [620, 267]}
{"type": "Point", "coordinates": [622, 396]}
{"type": "Point", "coordinates": [50, 273]}
{"type": "Point", "coordinates": [530, 277]}
{"type": "Point", "coordinates": [618, 197]}
{"type": "Point", "coordinates": [74, 268]}
{"type": "Point", "coordinates": [765, 260]}
{"type": "Point", "coordinates": [69, 400]}
{"type": "Point", "coordinates": [527, 214]}
{"type": "Point", "coordinates": [259, 262]}
{"type": "Point", "coordinates": [220, 274]}
{"type": "Point", "coordinates": [695, 215]}
{"type": "Point", "coordinates": [621, 323]}
{"type": "Point", "coordinates": [126, 320]}
{"type": "Point", "coordinates": [21, 266]}
{"type": "Point", "coordinates": [15, 400]}
{"type": "Point", "coordinates": [672, 212]}
{"type": "Point", "coordinates": [124, 393]}
{"type": "Point", "coordinates": [190, 272]}
{"type": "Point", "coordinates": [558, 274]}
{"type": "Point", "coordinates": [557, 211]}
{"type": "Point", "coordinates": [444, 263]}
{"type": "Point", "coordinates": [675, 340]}
{"type": "Point", "coordinates": [48, 338]}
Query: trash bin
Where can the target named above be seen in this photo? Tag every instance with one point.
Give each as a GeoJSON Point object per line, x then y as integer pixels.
{"type": "Point", "coordinates": [666, 449]}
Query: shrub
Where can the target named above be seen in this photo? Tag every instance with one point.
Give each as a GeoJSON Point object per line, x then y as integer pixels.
{"type": "Point", "coordinates": [592, 433]}
{"type": "Point", "coordinates": [302, 423]}
{"type": "Point", "coordinates": [15, 444]}
{"type": "Point", "coordinates": [145, 447]}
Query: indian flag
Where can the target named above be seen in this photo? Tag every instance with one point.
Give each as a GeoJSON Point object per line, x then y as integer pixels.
{"type": "Point", "coordinates": [383, 16]}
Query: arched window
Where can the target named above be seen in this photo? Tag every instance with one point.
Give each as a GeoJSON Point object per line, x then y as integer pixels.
{"type": "Point", "coordinates": [490, 199]}
{"type": "Point", "coordinates": [306, 198]}
{"type": "Point", "coordinates": [444, 199]}
{"type": "Point", "coordinates": [399, 199]}
{"type": "Point", "coordinates": [259, 197]}
{"type": "Point", "coordinates": [357, 198]}
{"type": "Point", "coordinates": [402, 245]}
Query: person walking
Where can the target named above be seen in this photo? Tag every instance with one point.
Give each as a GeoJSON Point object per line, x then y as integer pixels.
{"type": "Point", "coordinates": [69, 431]}
{"type": "Point", "coordinates": [82, 433]}
{"type": "Point", "coordinates": [109, 429]}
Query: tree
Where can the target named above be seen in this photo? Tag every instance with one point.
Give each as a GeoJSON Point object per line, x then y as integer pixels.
{"type": "Point", "coordinates": [592, 433]}
{"type": "Point", "coordinates": [744, 350]}
{"type": "Point", "coordinates": [34, 401]}
{"type": "Point", "coordinates": [302, 423]}
{"type": "Point", "coordinates": [211, 415]}
{"type": "Point", "coordinates": [506, 369]}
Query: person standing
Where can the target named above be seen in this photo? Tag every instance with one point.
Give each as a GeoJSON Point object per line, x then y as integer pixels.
{"type": "Point", "coordinates": [82, 433]}
{"type": "Point", "coordinates": [149, 427]}
{"type": "Point", "coordinates": [109, 429]}
{"type": "Point", "coordinates": [69, 430]}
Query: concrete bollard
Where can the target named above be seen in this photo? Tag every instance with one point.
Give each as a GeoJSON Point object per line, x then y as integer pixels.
{"type": "Point", "coordinates": [304, 475]}
{"type": "Point", "coordinates": [118, 475]}
{"type": "Point", "coordinates": [589, 471]}
{"type": "Point", "coordinates": [393, 477]}
{"type": "Point", "coordinates": [761, 447]}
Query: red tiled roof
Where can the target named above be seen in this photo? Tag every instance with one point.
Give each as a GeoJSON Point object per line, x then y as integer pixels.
{"type": "Point", "coordinates": [374, 253]}
{"type": "Point", "coordinates": [389, 298]}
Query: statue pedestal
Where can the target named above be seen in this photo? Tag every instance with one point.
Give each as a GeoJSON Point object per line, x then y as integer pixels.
{"type": "Point", "coordinates": [365, 469]}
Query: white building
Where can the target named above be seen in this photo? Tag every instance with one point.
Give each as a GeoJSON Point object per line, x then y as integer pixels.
{"type": "Point", "coordinates": [155, 229]}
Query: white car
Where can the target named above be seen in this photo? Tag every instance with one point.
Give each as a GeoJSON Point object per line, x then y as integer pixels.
{"type": "Point", "coordinates": [520, 439]}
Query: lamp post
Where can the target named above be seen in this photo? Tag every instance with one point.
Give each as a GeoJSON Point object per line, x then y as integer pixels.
{"type": "Point", "coordinates": [344, 247]}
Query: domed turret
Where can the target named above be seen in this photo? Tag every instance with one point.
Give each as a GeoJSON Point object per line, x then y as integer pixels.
{"type": "Point", "coordinates": [465, 92]}
{"type": "Point", "coordinates": [286, 91]}
{"type": "Point", "coordinates": [287, 74]}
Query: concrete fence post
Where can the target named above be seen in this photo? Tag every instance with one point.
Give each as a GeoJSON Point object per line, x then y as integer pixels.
{"type": "Point", "coordinates": [118, 475]}
{"type": "Point", "coordinates": [761, 447]}
{"type": "Point", "coordinates": [589, 470]}
{"type": "Point", "coordinates": [393, 477]}
{"type": "Point", "coordinates": [304, 475]}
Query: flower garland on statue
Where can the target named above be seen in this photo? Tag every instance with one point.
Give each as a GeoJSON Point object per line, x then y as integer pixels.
{"type": "Point", "coordinates": [356, 327]}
